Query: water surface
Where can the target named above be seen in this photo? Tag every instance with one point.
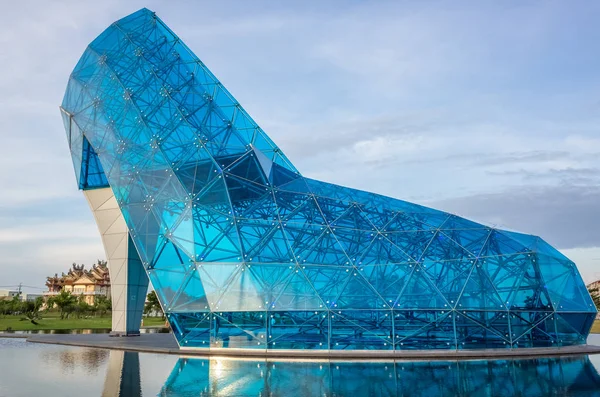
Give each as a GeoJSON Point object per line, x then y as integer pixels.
{"type": "Point", "coordinates": [28, 369]}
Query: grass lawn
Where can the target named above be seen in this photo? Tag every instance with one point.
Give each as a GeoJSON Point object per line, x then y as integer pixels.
{"type": "Point", "coordinates": [53, 321]}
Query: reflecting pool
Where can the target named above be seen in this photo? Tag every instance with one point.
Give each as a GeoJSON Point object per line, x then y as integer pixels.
{"type": "Point", "coordinates": [28, 369]}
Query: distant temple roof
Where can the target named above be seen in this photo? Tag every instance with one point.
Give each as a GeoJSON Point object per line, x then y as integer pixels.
{"type": "Point", "coordinates": [98, 274]}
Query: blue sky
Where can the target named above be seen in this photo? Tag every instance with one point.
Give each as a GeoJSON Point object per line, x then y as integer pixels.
{"type": "Point", "coordinates": [486, 109]}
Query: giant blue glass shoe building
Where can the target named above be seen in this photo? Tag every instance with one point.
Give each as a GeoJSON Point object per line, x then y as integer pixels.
{"type": "Point", "coordinates": [245, 252]}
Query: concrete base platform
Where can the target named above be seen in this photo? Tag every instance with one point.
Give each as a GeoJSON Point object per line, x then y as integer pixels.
{"type": "Point", "coordinates": [165, 344]}
{"type": "Point", "coordinates": [123, 334]}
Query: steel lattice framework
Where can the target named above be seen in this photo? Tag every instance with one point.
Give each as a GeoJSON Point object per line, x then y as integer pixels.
{"type": "Point", "coordinates": [245, 252]}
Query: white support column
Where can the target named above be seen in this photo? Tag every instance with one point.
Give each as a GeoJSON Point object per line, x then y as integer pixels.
{"type": "Point", "coordinates": [128, 280]}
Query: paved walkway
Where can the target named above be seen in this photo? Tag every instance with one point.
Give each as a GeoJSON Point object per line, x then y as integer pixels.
{"type": "Point", "coordinates": [165, 344]}
{"type": "Point", "coordinates": [151, 343]}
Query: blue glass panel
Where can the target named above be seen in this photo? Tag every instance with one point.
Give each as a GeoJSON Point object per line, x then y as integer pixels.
{"type": "Point", "coordinates": [92, 174]}
{"type": "Point", "coordinates": [192, 329]}
{"type": "Point", "coordinates": [363, 330]}
{"type": "Point", "coordinates": [489, 328]}
{"type": "Point", "coordinates": [424, 329]}
{"type": "Point", "coordinates": [475, 329]}
{"type": "Point", "coordinates": [572, 328]}
{"type": "Point", "coordinates": [532, 329]}
{"type": "Point", "coordinates": [298, 330]}
{"type": "Point", "coordinates": [243, 330]}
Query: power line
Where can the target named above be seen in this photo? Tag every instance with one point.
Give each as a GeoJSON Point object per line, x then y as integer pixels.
{"type": "Point", "coordinates": [19, 286]}
{"type": "Point", "coordinates": [30, 286]}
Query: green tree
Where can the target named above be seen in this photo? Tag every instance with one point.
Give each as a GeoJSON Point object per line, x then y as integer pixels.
{"type": "Point", "coordinates": [153, 305]}
{"type": "Point", "coordinates": [65, 303]}
{"type": "Point", "coordinates": [31, 311]}
{"type": "Point", "coordinates": [81, 308]}
{"type": "Point", "coordinates": [50, 303]}
{"type": "Point", "coordinates": [39, 303]}
{"type": "Point", "coordinates": [102, 304]}
{"type": "Point", "coordinates": [3, 307]}
{"type": "Point", "coordinates": [15, 306]}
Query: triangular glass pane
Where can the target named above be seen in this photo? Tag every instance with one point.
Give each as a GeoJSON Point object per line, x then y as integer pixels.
{"type": "Point", "coordinates": [242, 292]}
{"type": "Point", "coordinates": [296, 294]}
{"type": "Point", "coordinates": [554, 273]}
{"type": "Point", "coordinates": [355, 330]}
{"type": "Point", "coordinates": [271, 279]}
{"type": "Point", "coordinates": [359, 294]}
{"type": "Point", "coordinates": [287, 179]}
{"type": "Point", "coordinates": [479, 293]}
{"type": "Point", "coordinates": [261, 208]}
{"type": "Point", "coordinates": [298, 330]}
{"type": "Point", "coordinates": [380, 251]}
{"type": "Point", "coordinates": [191, 297]}
{"type": "Point", "coordinates": [473, 331]}
{"type": "Point", "coordinates": [449, 276]}
{"type": "Point", "coordinates": [298, 209]}
{"type": "Point", "coordinates": [424, 329]}
{"type": "Point", "coordinates": [177, 223]}
{"type": "Point", "coordinates": [243, 330]}
{"type": "Point", "coordinates": [264, 242]}
{"type": "Point", "coordinates": [575, 296]}
{"type": "Point", "coordinates": [215, 237]}
{"type": "Point", "coordinates": [191, 329]}
{"type": "Point", "coordinates": [353, 218]}
{"type": "Point", "coordinates": [531, 293]}
{"type": "Point", "coordinates": [195, 176]}
{"type": "Point", "coordinates": [579, 322]}
{"type": "Point", "coordinates": [379, 217]}
{"type": "Point", "coordinates": [167, 283]}
{"type": "Point", "coordinates": [355, 242]}
{"type": "Point", "coordinates": [543, 248]}
{"type": "Point", "coordinates": [471, 240]}
{"type": "Point", "coordinates": [499, 244]}
{"type": "Point", "coordinates": [144, 229]}
{"type": "Point", "coordinates": [249, 169]}
{"type": "Point", "coordinates": [169, 257]}
{"type": "Point", "coordinates": [331, 209]}
{"type": "Point", "coordinates": [526, 240]}
{"type": "Point", "coordinates": [441, 246]}
{"type": "Point", "coordinates": [495, 321]}
{"type": "Point", "coordinates": [413, 243]}
{"type": "Point", "coordinates": [214, 194]}
{"type": "Point", "coordinates": [319, 247]}
{"type": "Point", "coordinates": [523, 322]}
{"type": "Point", "coordinates": [407, 222]}
{"type": "Point", "coordinates": [216, 279]}
{"type": "Point", "coordinates": [92, 174]}
{"type": "Point", "coordinates": [421, 293]}
{"type": "Point", "coordinates": [388, 280]}
{"type": "Point", "coordinates": [328, 281]}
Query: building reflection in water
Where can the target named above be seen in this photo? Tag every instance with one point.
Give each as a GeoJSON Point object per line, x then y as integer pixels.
{"type": "Point", "coordinates": [90, 360]}
{"type": "Point", "coordinates": [539, 377]}
{"type": "Point", "coordinates": [574, 376]}
{"type": "Point", "coordinates": [123, 375]}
